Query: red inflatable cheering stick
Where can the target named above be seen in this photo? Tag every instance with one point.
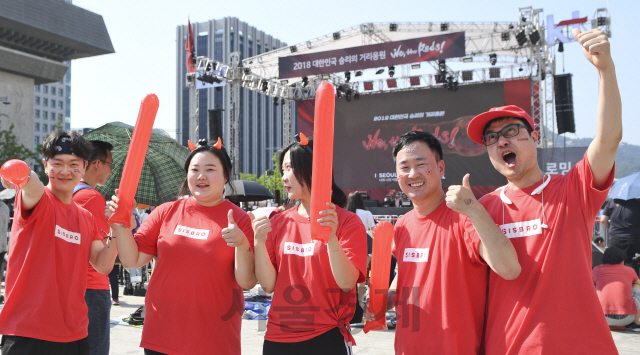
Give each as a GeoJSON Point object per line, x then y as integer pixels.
{"type": "Point", "coordinates": [15, 171]}
{"type": "Point", "coordinates": [322, 159]}
{"type": "Point", "coordinates": [380, 264]}
{"type": "Point", "coordinates": [135, 160]}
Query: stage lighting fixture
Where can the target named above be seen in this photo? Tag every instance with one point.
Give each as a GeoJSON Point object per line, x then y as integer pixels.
{"type": "Point", "coordinates": [284, 82]}
{"type": "Point", "coordinates": [467, 75]}
{"type": "Point", "coordinates": [214, 65]}
{"type": "Point", "coordinates": [265, 86]}
{"type": "Point", "coordinates": [414, 80]}
{"type": "Point", "coordinates": [442, 65]}
{"type": "Point", "coordinates": [415, 66]}
{"type": "Point", "coordinates": [209, 79]}
{"type": "Point", "coordinates": [494, 73]}
{"type": "Point", "coordinates": [506, 36]}
{"type": "Point", "coordinates": [275, 101]}
{"type": "Point", "coordinates": [358, 73]}
{"type": "Point", "coordinates": [368, 85]}
{"type": "Point", "coordinates": [336, 36]}
{"type": "Point", "coordinates": [451, 84]}
{"type": "Point", "coordinates": [444, 27]}
{"type": "Point", "coordinates": [208, 68]}
{"type": "Point", "coordinates": [521, 37]}
{"type": "Point", "coordinates": [534, 36]}
{"type": "Point", "coordinates": [347, 76]}
{"type": "Point", "coordinates": [356, 96]}
{"type": "Point", "coordinates": [602, 21]}
{"type": "Point", "coordinates": [493, 59]}
{"type": "Point", "coordinates": [349, 95]}
{"type": "Point", "coordinates": [392, 71]}
{"type": "Point", "coordinates": [393, 27]}
{"type": "Point", "coordinates": [247, 71]}
{"type": "Point", "coordinates": [467, 59]}
{"type": "Point", "coordinates": [521, 69]}
{"type": "Point", "coordinates": [282, 102]}
{"type": "Point", "coordinates": [379, 71]}
{"type": "Point", "coordinates": [293, 49]}
{"type": "Point", "coordinates": [560, 47]}
{"type": "Point", "coordinates": [441, 78]}
{"type": "Point", "coordinates": [305, 81]}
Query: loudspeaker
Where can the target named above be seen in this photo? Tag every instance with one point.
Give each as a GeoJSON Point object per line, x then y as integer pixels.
{"type": "Point", "coordinates": [564, 103]}
{"type": "Point", "coordinates": [370, 203]}
{"type": "Point", "coordinates": [215, 125]}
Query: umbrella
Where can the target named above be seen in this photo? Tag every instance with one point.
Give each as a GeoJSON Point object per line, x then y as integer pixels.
{"type": "Point", "coordinates": [626, 188]}
{"type": "Point", "coordinates": [162, 172]}
{"type": "Point", "coordinates": [7, 194]}
{"type": "Point", "coordinates": [248, 191]}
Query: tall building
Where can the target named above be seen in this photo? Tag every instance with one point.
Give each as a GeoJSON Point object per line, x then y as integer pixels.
{"type": "Point", "coordinates": [260, 133]}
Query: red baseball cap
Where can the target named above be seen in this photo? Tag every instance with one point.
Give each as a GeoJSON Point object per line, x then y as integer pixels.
{"type": "Point", "coordinates": [475, 130]}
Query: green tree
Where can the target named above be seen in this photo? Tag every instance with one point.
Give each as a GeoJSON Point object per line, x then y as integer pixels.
{"type": "Point", "coordinates": [271, 182]}
{"type": "Point", "coordinates": [10, 149]}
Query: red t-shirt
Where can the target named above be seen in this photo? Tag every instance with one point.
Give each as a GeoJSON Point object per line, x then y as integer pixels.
{"type": "Point", "coordinates": [307, 301]}
{"type": "Point", "coordinates": [442, 282]}
{"type": "Point", "coordinates": [193, 304]}
{"type": "Point", "coordinates": [47, 271]}
{"type": "Point", "coordinates": [613, 286]}
{"type": "Point", "coordinates": [92, 201]}
{"type": "Point", "coordinates": [529, 315]}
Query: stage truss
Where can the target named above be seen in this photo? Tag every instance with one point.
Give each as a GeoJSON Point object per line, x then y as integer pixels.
{"type": "Point", "coordinates": [534, 60]}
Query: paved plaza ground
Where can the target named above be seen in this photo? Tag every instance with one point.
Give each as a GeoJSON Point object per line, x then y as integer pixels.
{"type": "Point", "coordinates": [126, 340]}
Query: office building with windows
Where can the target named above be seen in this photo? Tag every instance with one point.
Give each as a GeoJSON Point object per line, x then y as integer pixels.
{"type": "Point", "coordinates": [260, 131]}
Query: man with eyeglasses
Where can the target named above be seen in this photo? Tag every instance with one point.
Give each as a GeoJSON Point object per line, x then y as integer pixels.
{"type": "Point", "coordinates": [97, 295]}
{"type": "Point", "coordinates": [552, 306]}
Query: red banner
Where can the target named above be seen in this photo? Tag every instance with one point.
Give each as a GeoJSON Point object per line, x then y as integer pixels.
{"type": "Point", "coordinates": [450, 45]}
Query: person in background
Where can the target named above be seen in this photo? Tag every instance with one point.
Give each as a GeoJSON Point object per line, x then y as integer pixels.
{"type": "Point", "coordinates": [204, 245]}
{"type": "Point", "coordinates": [97, 295]}
{"type": "Point", "coordinates": [4, 224]}
{"type": "Point", "coordinates": [618, 290]}
{"type": "Point", "coordinates": [599, 241]}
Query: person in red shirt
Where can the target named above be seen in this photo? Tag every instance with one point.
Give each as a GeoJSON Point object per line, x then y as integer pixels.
{"type": "Point", "coordinates": [618, 289]}
{"type": "Point", "coordinates": [443, 247]}
{"type": "Point", "coordinates": [97, 295]}
{"type": "Point", "coordinates": [204, 243]}
{"type": "Point", "coordinates": [52, 242]}
{"type": "Point", "coordinates": [549, 220]}
{"type": "Point", "coordinates": [313, 283]}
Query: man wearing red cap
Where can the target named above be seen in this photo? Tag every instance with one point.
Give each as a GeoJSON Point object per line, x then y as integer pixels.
{"type": "Point", "coordinates": [552, 307]}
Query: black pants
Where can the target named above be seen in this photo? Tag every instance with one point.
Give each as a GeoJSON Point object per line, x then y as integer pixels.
{"type": "Point", "coordinates": [113, 281]}
{"type": "Point", "coordinates": [15, 345]}
{"type": "Point", "coordinates": [331, 342]}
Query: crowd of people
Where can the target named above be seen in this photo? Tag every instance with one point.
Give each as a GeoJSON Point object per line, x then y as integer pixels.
{"type": "Point", "coordinates": [498, 275]}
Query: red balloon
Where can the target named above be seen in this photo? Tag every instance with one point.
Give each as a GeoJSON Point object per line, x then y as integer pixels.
{"type": "Point", "coordinates": [379, 283]}
{"type": "Point", "coordinates": [15, 171]}
{"type": "Point", "coordinates": [322, 159]}
{"type": "Point", "coordinates": [135, 160]}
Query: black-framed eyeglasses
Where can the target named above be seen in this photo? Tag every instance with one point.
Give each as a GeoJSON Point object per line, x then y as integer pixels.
{"type": "Point", "coordinates": [508, 131]}
{"type": "Point", "coordinates": [106, 162]}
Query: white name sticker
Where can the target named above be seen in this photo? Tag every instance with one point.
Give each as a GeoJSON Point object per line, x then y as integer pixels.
{"type": "Point", "coordinates": [416, 255]}
{"type": "Point", "coordinates": [522, 229]}
{"type": "Point", "coordinates": [67, 236]}
{"type": "Point", "coordinates": [191, 232]}
{"type": "Point", "coordinates": [299, 249]}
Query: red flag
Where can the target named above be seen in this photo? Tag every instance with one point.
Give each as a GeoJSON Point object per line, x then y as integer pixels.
{"type": "Point", "coordinates": [190, 48]}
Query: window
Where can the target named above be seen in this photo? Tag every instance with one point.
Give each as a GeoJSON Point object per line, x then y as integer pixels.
{"type": "Point", "coordinates": [37, 114]}
{"type": "Point", "coordinates": [45, 127]}
{"type": "Point", "coordinates": [60, 104]}
{"type": "Point", "coordinates": [45, 89]}
{"type": "Point", "coordinates": [53, 103]}
{"type": "Point", "coordinates": [36, 139]}
{"type": "Point", "coordinates": [59, 116]}
{"type": "Point", "coordinates": [37, 88]}
{"type": "Point", "coordinates": [37, 100]}
{"type": "Point", "coordinates": [45, 114]}
{"type": "Point", "coordinates": [60, 92]}
{"type": "Point", "coordinates": [37, 127]}
{"type": "Point", "coordinates": [45, 101]}
{"type": "Point", "coordinates": [53, 116]}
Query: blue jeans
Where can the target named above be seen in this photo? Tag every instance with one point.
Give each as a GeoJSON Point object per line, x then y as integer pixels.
{"type": "Point", "coordinates": [99, 304]}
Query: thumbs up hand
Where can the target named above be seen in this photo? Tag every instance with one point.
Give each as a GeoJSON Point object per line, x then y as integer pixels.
{"type": "Point", "coordinates": [460, 198]}
{"type": "Point", "coordinates": [232, 234]}
{"type": "Point", "coordinates": [261, 227]}
{"type": "Point", "coordinates": [596, 47]}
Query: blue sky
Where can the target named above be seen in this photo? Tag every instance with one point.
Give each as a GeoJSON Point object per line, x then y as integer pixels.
{"type": "Point", "coordinates": [110, 87]}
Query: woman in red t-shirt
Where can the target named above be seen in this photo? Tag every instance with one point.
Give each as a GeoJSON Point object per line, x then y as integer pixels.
{"type": "Point", "coordinates": [204, 243]}
{"type": "Point", "coordinates": [313, 282]}
{"type": "Point", "coordinates": [618, 289]}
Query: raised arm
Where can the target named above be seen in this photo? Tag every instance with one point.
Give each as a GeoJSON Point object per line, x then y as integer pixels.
{"type": "Point", "coordinates": [495, 248]}
{"type": "Point", "coordinates": [31, 189]}
{"type": "Point", "coordinates": [130, 256]}
{"type": "Point", "coordinates": [602, 150]}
